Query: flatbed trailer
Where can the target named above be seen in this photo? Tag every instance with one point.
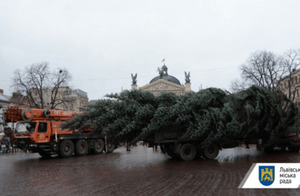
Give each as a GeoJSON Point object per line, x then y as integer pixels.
{"type": "Point", "coordinates": [171, 144]}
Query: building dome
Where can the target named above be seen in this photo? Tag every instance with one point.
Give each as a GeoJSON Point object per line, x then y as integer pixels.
{"type": "Point", "coordinates": [163, 74]}
{"type": "Point", "coordinates": [166, 77]}
{"type": "Point", "coordinates": [159, 83]}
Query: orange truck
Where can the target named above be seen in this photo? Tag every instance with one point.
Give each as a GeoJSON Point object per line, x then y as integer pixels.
{"type": "Point", "coordinates": [39, 130]}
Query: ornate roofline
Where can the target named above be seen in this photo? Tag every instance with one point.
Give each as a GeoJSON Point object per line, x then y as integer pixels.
{"type": "Point", "coordinates": [180, 87]}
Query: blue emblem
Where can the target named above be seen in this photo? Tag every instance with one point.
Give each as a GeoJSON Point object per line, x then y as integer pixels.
{"type": "Point", "coordinates": [266, 175]}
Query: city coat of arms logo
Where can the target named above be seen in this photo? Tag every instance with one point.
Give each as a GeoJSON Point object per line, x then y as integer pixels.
{"type": "Point", "coordinates": [266, 175]}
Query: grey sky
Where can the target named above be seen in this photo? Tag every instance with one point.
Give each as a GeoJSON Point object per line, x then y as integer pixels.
{"type": "Point", "coordinates": [101, 42]}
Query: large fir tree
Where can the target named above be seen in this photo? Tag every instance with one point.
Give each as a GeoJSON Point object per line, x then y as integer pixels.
{"type": "Point", "coordinates": [208, 116]}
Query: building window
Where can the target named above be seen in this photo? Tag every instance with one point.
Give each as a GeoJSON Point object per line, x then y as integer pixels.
{"type": "Point", "coordinates": [67, 92]}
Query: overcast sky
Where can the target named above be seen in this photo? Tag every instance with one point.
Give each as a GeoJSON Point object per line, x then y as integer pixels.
{"type": "Point", "coordinates": [101, 42]}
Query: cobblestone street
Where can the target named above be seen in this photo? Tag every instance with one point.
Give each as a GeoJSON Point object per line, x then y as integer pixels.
{"type": "Point", "coordinates": [140, 171]}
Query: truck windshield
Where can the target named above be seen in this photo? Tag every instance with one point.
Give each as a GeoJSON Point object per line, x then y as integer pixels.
{"type": "Point", "coordinates": [24, 128]}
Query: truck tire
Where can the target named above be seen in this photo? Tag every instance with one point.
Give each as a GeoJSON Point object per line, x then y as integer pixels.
{"type": "Point", "coordinates": [27, 114]}
{"type": "Point", "coordinates": [173, 155]}
{"type": "Point", "coordinates": [82, 147]}
{"type": "Point", "coordinates": [293, 148]}
{"type": "Point", "coordinates": [110, 147]}
{"type": "Point", "coordinates": [169, 150]}
{"type": "Point", "coordinates": [66, 148]}
{"type": "Point", "coordinates": [98, 146]}
{"type": "Point", "coordinates": [46, 112]}
{"type": "Point", "coordinates": [211, 152]}
{"type": "Point", "coordinates": [188, 152]}
{"type": "Point", "coordinates": [45, 154]}
{"type": "Point", "coordinates": [268, 149]}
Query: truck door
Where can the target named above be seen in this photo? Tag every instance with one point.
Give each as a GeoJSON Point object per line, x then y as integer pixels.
{"type": "Point", "coordinates": [43, 132]}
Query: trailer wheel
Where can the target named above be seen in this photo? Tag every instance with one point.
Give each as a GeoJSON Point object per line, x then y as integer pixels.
{"type": "Point", "coordinates": [173, 155]}
{"type": "Point", "coordinates": [45, 154]}
{"type": "Point", "coordinates": [98, 146]}
{"type": "Point", "coordinates": [268, 149]}
{"type": "Point", "coordinates": [110, 147]}
{"type": "Point", "coordinates": [211, 152]}
{"type": "Point", "coordinates": [169, 149]}
{"type": "Point", "coordinates": [66, 148]}
{"type": "Point", "coordinates": [81, 147]}
{"type": "Point", "coordinates": [293, 148]}
{"type": "Point", "coordinates": [188, 152]}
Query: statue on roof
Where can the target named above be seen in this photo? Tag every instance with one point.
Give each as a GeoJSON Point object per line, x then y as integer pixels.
{"type": "Point", "coordinates": [163, 70]}
{"type": "Point", "coordinates": [187, 77]}
{"type": "Point", "coordinates": [133, 77]}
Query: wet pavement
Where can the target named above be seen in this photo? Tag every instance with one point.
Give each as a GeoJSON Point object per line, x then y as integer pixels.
{"type": "Point", "coordinates": [140, 171]}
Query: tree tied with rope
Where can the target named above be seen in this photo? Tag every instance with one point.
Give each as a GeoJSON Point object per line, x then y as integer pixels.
{"type": "Point", "coordinates": [210, 116]}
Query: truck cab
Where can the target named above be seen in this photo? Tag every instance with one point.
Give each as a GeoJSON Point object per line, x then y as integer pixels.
{"type": "Point", "coordinates": [29, 134]}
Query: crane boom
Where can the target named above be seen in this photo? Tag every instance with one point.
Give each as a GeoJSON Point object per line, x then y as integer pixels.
{"type": "Point", "coordinates": [20, 113]}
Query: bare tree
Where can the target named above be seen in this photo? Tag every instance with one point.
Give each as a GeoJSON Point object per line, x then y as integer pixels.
{"type": "Point", "coordinates": [60, 78]}
{"type": "Point", "coordinates": [290, 62]}
{"type": "Point", "coordinates": [37, 83]}
{"type": "Point", "coordinates": [238, 85]}
{"type": "Point", "coordinates": [263, 69]}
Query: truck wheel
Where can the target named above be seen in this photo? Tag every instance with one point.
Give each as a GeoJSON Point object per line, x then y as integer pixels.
{"type": "Point", "coordinates": [81, 147]}
{"type": "Point", "coordinates": [66, 148]}
{"type": "Point", "coordinates": [45, 154]}
{"type": "Point", "coordinates": [188, 152]}
{"type": "Point", "coordinates": [110, 147]}
{"type": "Point", "coordinates": [169, 149]}
{"type": "Point", "coordinates": [293, 148]}
{"type": "Point", "coordinates": [211, 152]}
{"type": "Point", "coordinates": [163, 149]}
{"type": "Point", "coordinates": [98, 146]}
{"type": "Point", "coordinates": [268, 149]}
{"type": "Point", "coordinates": [172, 155]}
{"type": "Point", "coordinates": [27, 114]}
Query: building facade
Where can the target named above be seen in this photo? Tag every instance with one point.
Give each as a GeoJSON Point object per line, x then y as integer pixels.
{"type": "Point", "coordinates": [66, 98]}
{"type": "Point", "coordinates": [81, 100]}
{"type": "Point", "coordinates": [4, 100]}
{"type": "Point", "coordinates": [164, 83]}
{"type": "Point", "coordinates": [290, 86]}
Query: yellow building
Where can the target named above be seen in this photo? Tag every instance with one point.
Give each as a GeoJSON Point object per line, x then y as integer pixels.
{"type": "Point", "coordinates": [164, 83]}
{"type": "Point", "coordinates": [290, 86]}
{"type": "Point", "coordinates": [66, 98]}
